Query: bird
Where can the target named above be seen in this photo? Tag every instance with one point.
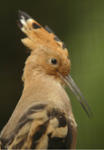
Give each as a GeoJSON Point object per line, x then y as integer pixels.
{"type": "Point", "coordinates": [43, 117]}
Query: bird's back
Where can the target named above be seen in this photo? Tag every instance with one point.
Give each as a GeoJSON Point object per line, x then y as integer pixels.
{"type": "Point", "coordinates": [41, 122]}
{"type": "Point", "coordinates": [39, 128]}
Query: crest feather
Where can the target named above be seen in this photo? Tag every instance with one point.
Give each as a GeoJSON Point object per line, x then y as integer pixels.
{"type": "Point", "coordinates": [38, 35]}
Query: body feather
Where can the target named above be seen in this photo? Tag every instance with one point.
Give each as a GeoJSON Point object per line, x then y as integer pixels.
{"type": "Point", "coordinates": [43, 117]}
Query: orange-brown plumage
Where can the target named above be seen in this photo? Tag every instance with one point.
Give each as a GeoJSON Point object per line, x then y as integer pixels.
{"type": "Point", "coordinates": [43, 117]}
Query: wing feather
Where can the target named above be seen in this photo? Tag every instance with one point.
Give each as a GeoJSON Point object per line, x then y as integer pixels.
{"type": "Point", "coordinates": [41, 127]}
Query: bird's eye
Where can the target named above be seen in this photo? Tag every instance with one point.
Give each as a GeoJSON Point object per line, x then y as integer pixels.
{"type": "Point", "coordinates": [54, 61]}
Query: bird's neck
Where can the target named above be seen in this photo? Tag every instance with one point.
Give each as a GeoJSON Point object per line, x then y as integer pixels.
{"type": "Point", "coordinates": [37, 80]}
{"type": "Point", "coordinates": [45, 88]}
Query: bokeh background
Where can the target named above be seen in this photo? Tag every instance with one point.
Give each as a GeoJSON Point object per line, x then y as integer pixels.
{"type": "Point", "coordinates": [80, 24]}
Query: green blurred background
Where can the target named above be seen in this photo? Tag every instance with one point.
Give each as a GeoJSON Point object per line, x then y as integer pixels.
{"type": "Point", "coordinates": [80, 23]}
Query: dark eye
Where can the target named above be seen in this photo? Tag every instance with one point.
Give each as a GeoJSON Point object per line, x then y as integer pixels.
{"type": "Point", "coordinates": [54, 61]}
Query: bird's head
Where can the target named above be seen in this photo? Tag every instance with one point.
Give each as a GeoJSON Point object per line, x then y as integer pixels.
{"type": "Point", "coordinates": [48, 54]}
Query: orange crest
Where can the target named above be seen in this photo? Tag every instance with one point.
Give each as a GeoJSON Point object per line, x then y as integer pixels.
{"type": "Point", "coordinates": [38, 36]}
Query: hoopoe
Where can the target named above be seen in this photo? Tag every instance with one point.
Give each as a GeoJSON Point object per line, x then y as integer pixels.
{"type": "Point", "coordinates": [43, 117]}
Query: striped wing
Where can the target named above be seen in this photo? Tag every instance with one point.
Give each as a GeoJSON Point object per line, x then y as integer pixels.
{"type": "Point", "coordinates": [41, 127]}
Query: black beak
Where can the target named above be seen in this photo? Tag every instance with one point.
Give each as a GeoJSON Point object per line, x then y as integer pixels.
{"type": "Point", "coordinates": [76, 91]}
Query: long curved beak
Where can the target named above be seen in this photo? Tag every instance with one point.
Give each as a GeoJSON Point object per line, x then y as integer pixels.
{"type": "Point", "coordinates": [76, 91]}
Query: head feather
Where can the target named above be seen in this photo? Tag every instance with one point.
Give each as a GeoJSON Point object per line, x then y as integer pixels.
{"type": "Point", "coordinates": [37, 35]}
